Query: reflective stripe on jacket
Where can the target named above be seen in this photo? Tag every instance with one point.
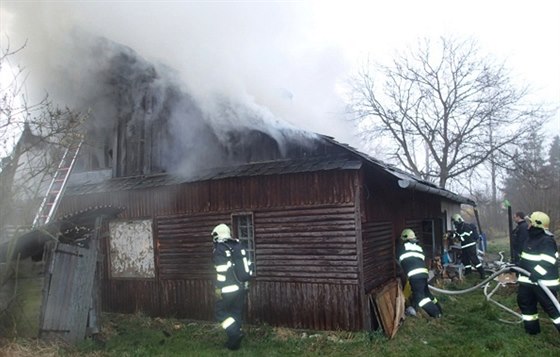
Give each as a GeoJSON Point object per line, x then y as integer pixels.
{"type": "Point", "coordinates": [411, 258]}
{"type": "Point", "coordinates": [539, 257]}
{"type": "Point", "coordinates": [467, 234]}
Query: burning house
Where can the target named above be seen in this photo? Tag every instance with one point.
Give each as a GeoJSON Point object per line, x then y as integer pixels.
{"type": "Point", "coordinates": [320, 218]}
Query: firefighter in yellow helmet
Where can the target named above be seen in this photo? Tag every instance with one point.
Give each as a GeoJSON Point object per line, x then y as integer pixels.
{"type": "Point", "coordinates": [539, 257]}
{"type": "Point", "coordinates": [233, 271]}
{"type": "Point", "coordinates": [468, 235]}
{"type": "Point", "coordinates": [412, 260]}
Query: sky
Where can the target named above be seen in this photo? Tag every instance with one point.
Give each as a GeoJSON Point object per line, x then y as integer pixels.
{"type": "Point", "coordinates": [290, 57]}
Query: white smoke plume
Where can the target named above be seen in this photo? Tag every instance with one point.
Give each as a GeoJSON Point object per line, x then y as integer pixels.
{"type": "Point", "coordinates": [242, 51]}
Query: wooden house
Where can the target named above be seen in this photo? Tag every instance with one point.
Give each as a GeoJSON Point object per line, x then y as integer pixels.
{"type": "Point", "coordinates": [321, 219]}
{"type": "Point", "coordinates": [322, 231]}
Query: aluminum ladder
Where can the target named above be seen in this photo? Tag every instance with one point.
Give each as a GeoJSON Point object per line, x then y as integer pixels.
{"type": "Point", "coordinates": [58, 184]}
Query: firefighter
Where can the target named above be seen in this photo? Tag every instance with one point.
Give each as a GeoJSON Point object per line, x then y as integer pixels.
{"type": "Point", "coordinates": [539, 257]}
{"type": "Point", "coordinates": [412, 260]}
{"type": "Point", "coordinates": [468, 236]}
{"type": "Point", "coordinates": [233, 271]}
{"type": "Point", "coordinates": [518, 235]}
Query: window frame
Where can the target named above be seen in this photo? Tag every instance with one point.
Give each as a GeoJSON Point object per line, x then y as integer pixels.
{"type": "Point", "coordinates": [249, 240]}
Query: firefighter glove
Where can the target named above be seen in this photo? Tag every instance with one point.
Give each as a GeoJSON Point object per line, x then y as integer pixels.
{"type": "Point", "coordinates": [218, 293]}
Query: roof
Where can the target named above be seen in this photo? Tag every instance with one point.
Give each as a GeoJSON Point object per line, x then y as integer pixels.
{"type": "Point", "coordinates": [347, 158]}
{"type": "Point", "coordinates": [405, 179]}
{"type": "Point", "coordinates": [84, 184]}
{"type": "Point", "coordinates": [67, 229]}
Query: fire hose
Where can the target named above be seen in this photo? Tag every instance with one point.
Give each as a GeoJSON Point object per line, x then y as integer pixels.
{"type": "Point", "coordinates": [485, 282]}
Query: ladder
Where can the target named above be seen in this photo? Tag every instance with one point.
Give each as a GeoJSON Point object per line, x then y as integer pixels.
{"type": "Point", "coordinates": [58, 184]}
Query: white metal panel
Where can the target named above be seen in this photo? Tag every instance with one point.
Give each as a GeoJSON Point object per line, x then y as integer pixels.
{"type": "Point", "coordinates": [131, 249]}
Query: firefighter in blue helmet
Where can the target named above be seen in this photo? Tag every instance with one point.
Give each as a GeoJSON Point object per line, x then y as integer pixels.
{"type": "Point", "coordinates": [468, 235]}
{"type": "Point", "coordinates": [233, 271]}
{"type": "Point", "coordinates": [539, 257]}
{"type": "Point", "coordinates": [412, 260]}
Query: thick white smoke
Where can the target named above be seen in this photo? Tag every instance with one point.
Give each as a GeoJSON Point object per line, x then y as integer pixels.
{"type": "Point", "coordinates": [243, 51]}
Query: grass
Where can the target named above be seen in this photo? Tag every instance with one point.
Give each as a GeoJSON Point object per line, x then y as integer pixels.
{"type": "Point", "coordinates": [471, 326]}
{"type": "Point", "coordinates": [22, 317]}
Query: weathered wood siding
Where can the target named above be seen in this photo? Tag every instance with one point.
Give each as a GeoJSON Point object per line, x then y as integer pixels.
{"type": "Point", "coordinates": [131, 296]}
{"type": "Point", "coordinates": [68, 292]}
{"type": "Point", "coordinates": [306, 305]}
{"type": "Point", "coordinates": [379, 253]}
{"type": "Point", "coordinates": [184, 259]}
{"type": "Point", "coordinates": [225, 195]}
{"type": "Point", "coordinates": [305, 241]}
{"type": "Point", "coordinates": [307, 244]}
{"type": "Point", "coordinates": [307, 268]}
{"type": "Point", "coordinates": [184, 246]}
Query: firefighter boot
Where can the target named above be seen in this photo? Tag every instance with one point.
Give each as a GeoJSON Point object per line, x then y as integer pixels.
{"type": "Point", "coordinates": [481, 272]}
{"type": "Point", "coordinates": [234, 341]}
{"type": "Point", "coordinates": [532, 327]}
{"type": "Point", "coordinates": [438, 305]}
{"type": "Point", "coordinates": [432, 310]}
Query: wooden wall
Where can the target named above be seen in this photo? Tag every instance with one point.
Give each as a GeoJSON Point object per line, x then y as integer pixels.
{"type": "Point", "coordinates": [319, 248]}
{"type": "Point", "coordinates": [307, 268]}
{"type": "Point", "coordinates": [379, 253]}
{"type": "Point", "coordinates": [305, 240]}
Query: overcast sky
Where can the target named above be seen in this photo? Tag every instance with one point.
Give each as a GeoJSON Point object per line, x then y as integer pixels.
{"type": "Point", "coordinates": [291, 56]}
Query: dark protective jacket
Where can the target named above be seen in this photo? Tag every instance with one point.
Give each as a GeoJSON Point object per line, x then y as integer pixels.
{"type": "Point", "coordinates": [412, 260]}
{"type": "Point", "coordinates": [233, 267]}
{"type": "Point", "coordinates": [467, 233]}
{"type": "Point", "coordinates": [539, 257]}
{"type": "Point", "coordinates": [520, 234]}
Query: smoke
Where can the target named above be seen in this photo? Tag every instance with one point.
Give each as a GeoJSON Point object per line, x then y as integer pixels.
{"type": "Point", "coordinates": [254, 56]}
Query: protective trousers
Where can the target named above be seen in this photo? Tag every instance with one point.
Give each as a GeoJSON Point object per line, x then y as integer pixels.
{"type": "Point", "coordinates": [423, 298]}
{"type": "Point", "coordinates": [229, 312]}
{"type": "Point", "coordinates": [470, 260]}
{"type": "Point", "coordinates": [527, 297]}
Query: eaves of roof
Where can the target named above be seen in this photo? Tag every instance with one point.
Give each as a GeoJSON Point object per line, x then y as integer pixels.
{"type": "Point", "coordinates": [276, 167]}
{"type": "Point", "coordinates": [406, 180]}
{"type": "Point", "coordinates": [351, 160]}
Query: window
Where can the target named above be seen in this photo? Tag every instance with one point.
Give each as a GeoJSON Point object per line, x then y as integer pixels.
{"type": "Point", "coordinates": [243, 230]}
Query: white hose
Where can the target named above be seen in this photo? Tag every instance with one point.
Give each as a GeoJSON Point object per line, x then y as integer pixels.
{"type": "Point", "coordinates": [501, 271]}
{"type": "Point", "coordinates": [473, 288]}
{"type": "Point", "coordinates": [489, 298]}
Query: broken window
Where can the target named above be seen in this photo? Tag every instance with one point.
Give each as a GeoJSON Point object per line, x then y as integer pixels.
{"type": "Point", "coordinates": [243, 230]}
{"type": "Point", "coordinates": [131, 249]}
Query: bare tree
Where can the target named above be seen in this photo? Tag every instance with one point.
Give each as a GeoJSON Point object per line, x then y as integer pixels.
{"type": "Point", "coordinates": [32, 139]}
{"type": "Point", "coordinates": [534, 184]}
{"type": "Point", "coordinates": [443, 110]}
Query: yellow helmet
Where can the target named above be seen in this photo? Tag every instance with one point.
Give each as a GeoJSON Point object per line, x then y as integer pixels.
{"type": "Point", "coordinates": [456, 218]}
{"type": "Point", "coordinates": [539, 219]}
{"type": "Point", "coordinates": [408, 234]}
{"type": "Point", "coordinates": [221, 233]}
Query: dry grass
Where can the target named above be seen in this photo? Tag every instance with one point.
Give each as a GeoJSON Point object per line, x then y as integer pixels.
{"type": "Point", "coordinates": [34, 348]}
{"type": "Point", "coordinates": [27, 348]}
{"type": "Point", "coordinates": [284, 334]}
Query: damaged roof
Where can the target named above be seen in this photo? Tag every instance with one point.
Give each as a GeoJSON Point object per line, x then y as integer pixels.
{"type": "Point", "coordinates": [347, 158]}
{"type": "Point", "coordinates": [82, 184]}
